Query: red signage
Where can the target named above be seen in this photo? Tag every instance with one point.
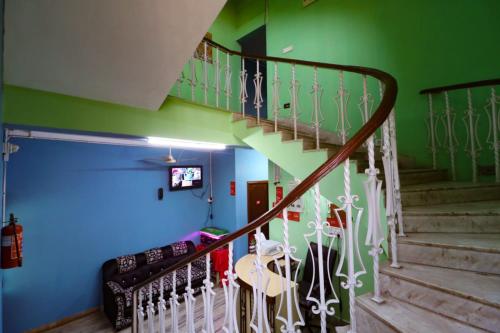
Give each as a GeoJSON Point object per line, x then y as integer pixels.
{"type": "Point", "coordinates": [232, 188]}
{"type": "Point", "coordinates": [333, 220]}
{"type": "Point", "coordinates": [292, 216]}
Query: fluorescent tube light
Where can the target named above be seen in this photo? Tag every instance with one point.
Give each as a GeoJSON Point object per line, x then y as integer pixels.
{"type": "Point", "coordinates": [166, 142]}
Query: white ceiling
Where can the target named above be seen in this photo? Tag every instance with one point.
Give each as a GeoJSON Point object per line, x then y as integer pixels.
{"type": "Point", "coordinates": [121, 51]}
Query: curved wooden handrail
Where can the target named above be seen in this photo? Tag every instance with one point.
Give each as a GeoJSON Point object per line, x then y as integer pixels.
{"type": "Point", "coordinates": [474, 84]}
{"type": "Point", "coordinates": [380, 115]}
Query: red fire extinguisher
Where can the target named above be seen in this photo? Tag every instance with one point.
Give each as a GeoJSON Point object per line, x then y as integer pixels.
{"type": "Point", "coordinates": [12, 244]}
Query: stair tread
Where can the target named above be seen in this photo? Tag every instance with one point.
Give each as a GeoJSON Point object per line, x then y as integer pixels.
{"type": "Point", "coordinates": [467, 208]}
{"type": "Point", "coordinates": [419, 170]}
{"type": "Point", "coordinates": [475, 242]}
{"type": "Point", "coordinates": [405, 317]}
{"type": "Point", "coordinates": [480, 287]}
{"type": "Point", "coordinates": [446, 185]}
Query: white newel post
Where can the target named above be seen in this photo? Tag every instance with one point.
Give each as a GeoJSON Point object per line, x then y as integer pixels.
{"type": "Point", "coordinates": [243, 86]}
{"type": "Point", "coordinates": [276, 96]}
{"type": "Point", "coordinates": [258, 99]}
{"type": "Point", "coordinates": [373, 188]}
{"type": "Point", "coordinates": [432, 132]}
{"type": "Point", "coordinates": [451, 135]}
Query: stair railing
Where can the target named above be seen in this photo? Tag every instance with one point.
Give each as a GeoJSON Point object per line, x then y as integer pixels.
{"type": "Point", "coordinates": [350, 266]}
{"type": "Point", "coordinates": [444, 122]}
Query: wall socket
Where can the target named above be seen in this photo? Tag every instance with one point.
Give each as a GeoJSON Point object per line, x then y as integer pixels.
{"type": "Point", "coordinates": [306, 3]}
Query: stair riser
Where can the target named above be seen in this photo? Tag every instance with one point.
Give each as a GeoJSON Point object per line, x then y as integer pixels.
{"type": "Point", "coordinates": [452, 223]}
{"type": "Point", "coordinates": [436, 197]}
{"type": "Point", "coordinates": [452, 306]}
{"type": "Point", "coordinates": [366, 322]}
{"type": "Point", "coordinates": [423, 177]}
{"type": "Point", "coordinates": [475, 261]}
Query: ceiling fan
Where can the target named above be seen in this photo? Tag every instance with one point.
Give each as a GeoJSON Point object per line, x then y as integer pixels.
{"type": "Point", "coordinates": [169, 159]}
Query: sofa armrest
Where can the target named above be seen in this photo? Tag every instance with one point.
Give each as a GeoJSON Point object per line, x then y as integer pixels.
{"type": "Point", "coordinates": [200, 263]}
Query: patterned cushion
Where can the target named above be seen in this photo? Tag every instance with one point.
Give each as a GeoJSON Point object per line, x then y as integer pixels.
{"type": "Point", "coordinates": [126, 263]}
{"type": "Point", "coordinates": [153, 255]}
{"type": "Point", "coordinates": [179, 248]}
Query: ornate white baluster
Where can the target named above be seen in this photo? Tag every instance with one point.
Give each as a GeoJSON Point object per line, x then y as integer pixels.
{"type": "Point", "coordinates": [317, 92]}
{"type": "Point", "coordinates": [140, 311]}
{"type": "Point", "coordinates": [174, 303]}
{"type": "Point", "coordinates": [190, 302]}
{"type": "Point", "coordinates": [390, 209]}
{"type": "Point", "coordinates": [276, 96]}
{"type": "Point", "coordinates": [179, 82]}
{"type": "Point", "coordinates": [208, 299]}
{"type": "Point", "coordinates": [494, 118]}
{"type": "Point", "coordinates": [395, 174]}
{"type": "Point", "coordinates": [291, 296]}
{"type": "Point", "coordinates": [217, 77]}
{"type": "Point", "coordinates": [151, 310]}
{"type": "Point", "coordinates": [431, 127]}
{"type": "Point", "coordinates": [162, 307]}
{"type": "Point", "coordinates": [231, 289]}
{"type": "Point", "coordinates": [373, 188]}
{"type": "Point", "coordinates": [342, 100]}
{"type": "Point", "coordinates": [472, 145]}
{"type": "Point", "coordinates": [205, 73]}
{"type": "Point", "coordinates": [294, 104]}
{"type": "Point", "coordinates": [259, 322]}
{"type": "Point", "coordinates": [243, 86]}
{"type": "Point", "coordinates": [450, 121]}
{"type": "Point", "coordinates": [258, 99]}
{"type": "Point", "coordinates": [228, 91]}
{"type": "Point", "coordinates": [193, 81]}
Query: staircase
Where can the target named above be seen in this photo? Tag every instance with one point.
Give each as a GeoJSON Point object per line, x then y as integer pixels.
{"type": "Point", "coordinates": [449, 280]}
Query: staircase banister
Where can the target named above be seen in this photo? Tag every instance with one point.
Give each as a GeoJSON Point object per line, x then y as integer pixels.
{"type": "Point", "coordinates": [473, 84]}
{"type": "Point", "coordinates": [377, 119]}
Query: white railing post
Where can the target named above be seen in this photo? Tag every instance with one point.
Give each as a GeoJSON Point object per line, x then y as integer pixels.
{"type": "Point", "coordinates": [151, 310]}
{"type": "Point", "coordinates": [258, 99]}
{"type": "Point", "coordinates": [451, 135]}
{"type": "Point", "coordinates": [472, 145]}
{"type": "Point", "coordinates": [231, 289]}
{"type": "Point", "coordinates": [276, 96]}
{"type": "Point", "coordinates": [395, 173]}
{"type": "Point", "coordinates": [179, 82]}
{"type": "Point", "coordinates": [342, 100]}
{"type": "Point", "coordinates": [373, 189]}
{"type": "Point", "coordinates": [493, 138]}
{"type": "Point", "coordinates": [259, 322]}
{"type": "Point", "coordinates": [205, 73]}
{"type": "Point", "coordinates": [432, 132]}
{"type": "Point", "coordinates": [228, 90]}
{"type": "Point", "coordinates": [140, 312]}
{"type": "Point", "coordinates": [317, 117]}
{"type": "Point", "coordinates": [190, 302]}
{"type": "Point", "coordinates": [243, 86]}
{"type": "Point", "coordinates": [162, 307]}
{"type": "Point", "coordinates": [294, 87]}
{"type": "Point", "coordinates": [174, 303]}
{"type": "Point", "coordinates": [193, 81]}
{"type": "Point", "coordinates": [208, 299]}
{"type": "Point", "coordinates": [217, 77]}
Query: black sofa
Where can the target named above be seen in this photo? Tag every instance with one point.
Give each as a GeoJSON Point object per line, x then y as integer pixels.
{"type": "Point", "coordinates": [121, 274]}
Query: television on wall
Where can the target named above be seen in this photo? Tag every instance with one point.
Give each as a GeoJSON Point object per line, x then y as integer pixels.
{"type": "Point", "coordinates": [185, 177]}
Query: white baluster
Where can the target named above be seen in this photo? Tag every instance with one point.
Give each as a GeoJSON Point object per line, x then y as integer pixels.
{"type": "Point", "coordinates": [208, 299]}
{"type": "Point", "coordinates": [472, 145]}
{"type": "Point", "coordinates": [162, 307]}
{"type": "Point", "coordinates": [294, 104]}
{"type": "Point", "coordinates": [276, 96]}
{"type": "Point", "coordinates": [205, 73]}
{"type": "Point", "coordinates": [217, 77]}
{"type": "Point", "coordinates": [231, 289]}
{"type": "Point", "coordinates": [342, 100]}
{"type": "Point", "coordinates": [151, 310]}
{"type": "Point", "coordinates": [317, 92]}
{"type": "Point", "coordinates": [450, 135]}
{"type": "Point", "coordinates": [243, 86]}
{"type": "Point", "coordinates": [259, 322]}
{"type": "Point", "coordinates": [390, 209]}
{"type": "Point", "coordinates": [190, 302]}
{"type": "Point", "coordinates": [174, 303]}
{"type": "Point", "coordinates": [228, 91]}
{"type": "Point", "coordinates": [193, 81]}
{"type": "Point", "coordinates": [395, 174]}
{"type": "Point", "coordinates": [258, 99]}
{"type": "Point", "coordinates": [432, 134]}
{"type": "Point", "coordinates": [286, 288]}
{"type": "Point", "coordinates": [140, 312]}
{"type": "Point", "coordinates": [179, 82]}
{"type": "Point", "coordinates": [494, 118]}
{"type": "Point", "coordinates": [373, 188]}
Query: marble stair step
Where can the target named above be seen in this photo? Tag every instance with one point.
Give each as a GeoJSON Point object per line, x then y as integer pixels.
{"type": "Point", "coordinates": [448, 192]}
{"type": "Point", "coordinates": [470, 297]}
{"type": "Point", "coordinates": [470, 252]}
{"type": "Point", "coordinates": [397, 316]}
{"type": "Point", "coordinates": [472, 217]}
{"type": "Point", "coordinates": [420, 176]}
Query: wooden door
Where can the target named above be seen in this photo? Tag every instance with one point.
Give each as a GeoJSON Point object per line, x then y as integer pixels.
{"type": "Point", "coordinates": [257, 204]}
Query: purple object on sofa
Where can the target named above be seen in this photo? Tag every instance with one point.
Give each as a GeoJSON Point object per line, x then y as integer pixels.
{"type": "Point", "coordinates": [121, 274]}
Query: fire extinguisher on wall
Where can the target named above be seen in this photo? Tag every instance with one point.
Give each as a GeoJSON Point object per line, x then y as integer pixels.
{"type": "Point", "coordinates": [12, 244]}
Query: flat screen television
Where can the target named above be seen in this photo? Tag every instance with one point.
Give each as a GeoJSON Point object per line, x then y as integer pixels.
{"type": "Point", "coordinates": [185, 177]}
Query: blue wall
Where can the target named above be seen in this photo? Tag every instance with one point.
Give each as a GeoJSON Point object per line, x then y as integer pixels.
{"type": "Point", "coordinates": [1, 135]}
{"type": "Point", "coordinates": [82, 204]}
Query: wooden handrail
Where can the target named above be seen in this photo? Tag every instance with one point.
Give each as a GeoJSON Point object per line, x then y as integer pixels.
{"type": "Point", "coordinates": [380, 115]}
{"type": "Point", "coordinates": [474, 84]}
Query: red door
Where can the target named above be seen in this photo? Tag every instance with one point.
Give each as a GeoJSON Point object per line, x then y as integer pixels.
{"type": "Point", "coordinates": [258, 204]}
